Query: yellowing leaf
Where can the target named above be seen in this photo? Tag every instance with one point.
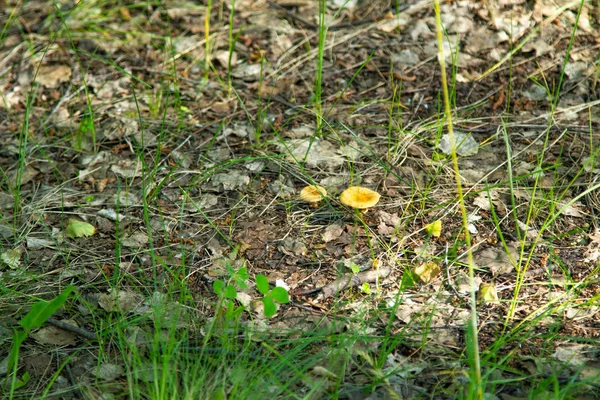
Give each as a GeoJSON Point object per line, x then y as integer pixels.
{"type": "Point", "coordinates": [77, 228]}
{"type": "Point", "coordinates": [427, 272]}
{"type": "Point", "coordinates": [125, 14]}
{"type": "Point", "coordinates": [12, 258]}
{"type": "Point", "coordinates": [435, 228]}
{"type": "Point", "coordinates": [488, 293]}
{"type": "Point", "coordinates": [365, 288]}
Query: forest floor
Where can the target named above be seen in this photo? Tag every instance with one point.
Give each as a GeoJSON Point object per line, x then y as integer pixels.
{"type": "Point", "coordinates": [185, 151]}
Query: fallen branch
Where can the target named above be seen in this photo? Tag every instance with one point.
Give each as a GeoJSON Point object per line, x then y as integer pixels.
{"type": "Point", "coordinates": [72, 328]}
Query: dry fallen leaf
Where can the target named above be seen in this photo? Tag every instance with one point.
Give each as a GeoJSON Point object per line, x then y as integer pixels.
{"type": "Point", "coordinates": [230, 180]}
{"type": "Point", "coordinates": [427, 272]}
{"type": "Point", "coordinates": [483, 199]}
{"type": "Point", "coordinates": [124, 301]}
{"type": "Point", "coordinates": [316, 153]}
{"type": "Point", "coordinates": [592, 252]}
{"type": "Point", "coordinates": [575, 355]}
{"type": "Point", "coordinates": [109, 372]}
{"type": "Point", "coordinates": [581, 313]}
{"type": "Point", "coordinates": [51, 76]}
{"type": "Point", "coordinates": [463, 283]}
{"type": "Point", "coordinates": [496, 260]}
{"type": "Point", "coordinates": [530, 232]}
{"type": "Point", "coordinates": [572, 210]}
{"type": "Point", "coordinates": [128, 168]}
{"type": "Point", "coordinates": [465, 144]}
{"type": "Point", "coordinates": [136, 240]}
{"type": "Point", "coordinates": [55, 336]}
{"type": "Point", "coordinates": [247, 72]}
{"type": "Point", "coordinates": [332, 232]}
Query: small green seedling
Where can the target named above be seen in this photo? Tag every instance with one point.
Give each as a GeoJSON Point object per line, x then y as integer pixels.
{"type": "Point", "coordinates": [228, 292]}
{"type": "Point", "coordinates": [277, 294]}
{"type": "Point", "coordinates": [86, 128]}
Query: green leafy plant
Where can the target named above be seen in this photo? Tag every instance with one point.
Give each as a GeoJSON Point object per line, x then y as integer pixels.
{"type": "Point", "coordinates": [86, 129]}
{"type": "Point", "coordinates": [35, 318]}
{"type": "Point", "coordinates": [277, 294]}
{"type": "Point", "coordinates": [227, 291]}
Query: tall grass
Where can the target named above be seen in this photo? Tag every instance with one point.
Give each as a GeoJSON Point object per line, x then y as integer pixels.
{"type": "Point", "coordinates": [476, 385]}
{"type": "Point", "coordinates": [322, 37]}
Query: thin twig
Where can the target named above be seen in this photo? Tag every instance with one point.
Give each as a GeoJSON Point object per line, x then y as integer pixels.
{"type": "Point", "coordinates": [72, 328]}
{"type": "Point", "coordinates": [352, 280]}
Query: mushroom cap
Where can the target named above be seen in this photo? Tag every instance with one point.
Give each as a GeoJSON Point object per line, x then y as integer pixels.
{"type": "Point", "coordinates": [359, 197]}
{"type": "Point", "coordinates": [313, 193]}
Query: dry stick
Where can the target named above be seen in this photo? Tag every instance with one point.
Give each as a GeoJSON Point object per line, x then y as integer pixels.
{"type": "Point", "coordinates": [352, 280]}
{"type": "Point", "coordinates": [77, 392]}
{"type": "Point", "coordinates": [309, 309]}
{"type": "Point", "coordinates": [292, 15]}
{"type": "Point", "coordinates": [10, 54]}
{"type": "Point", "coordinates": [72, 328]}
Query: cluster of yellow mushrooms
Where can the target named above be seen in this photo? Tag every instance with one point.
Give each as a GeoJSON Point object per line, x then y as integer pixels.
{"type": "Point", "coordinates": [355, 196]}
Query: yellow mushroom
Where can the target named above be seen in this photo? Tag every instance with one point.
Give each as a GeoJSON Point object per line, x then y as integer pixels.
{"type": "Point", "coordinates": [313, 193]}
{"type": "Point", "coordinates": [359, 197]}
